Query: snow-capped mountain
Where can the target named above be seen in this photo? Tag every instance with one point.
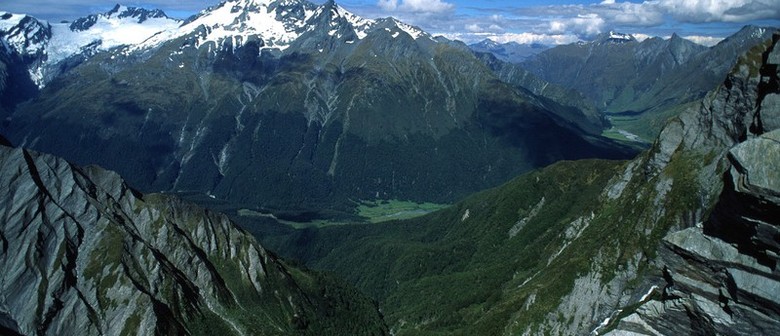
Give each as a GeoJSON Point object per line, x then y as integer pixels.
{"type": "Point", "coordinates": [23, 34]}
{"type": "Point", "coordinates": [278, 24]}
{"type": "Point", "coordinates": [613, 37]}
{"type": "Point", "coordinates": [135, 15]}
{"type": "Point", "coordinates": [45, 45]}
{"type": "Point", "coordinates": [287, 103]}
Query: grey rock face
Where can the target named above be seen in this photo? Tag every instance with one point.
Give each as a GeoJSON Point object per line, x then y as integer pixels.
{"type": "Point", "coordinates": [724, 275]}
{"type": "Point", "coordinates": [756, 167]}
{"type": "Point", "coordinates": [721, 277]}
{"type": "Point", "coordinates": [740, 109]}
{"type": "Point", "coordinates": [82, 253]}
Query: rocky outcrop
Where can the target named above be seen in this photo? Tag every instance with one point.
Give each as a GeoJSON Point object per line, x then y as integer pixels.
{"type": "Point", "coordinates": [721, 276]}
{"type": "Point", "coordinates": [83, 253]}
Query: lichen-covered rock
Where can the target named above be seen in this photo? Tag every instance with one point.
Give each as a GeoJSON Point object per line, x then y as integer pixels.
{"type": "Point", "coordinates": [756, 165]}
{"type": "Point", "coordinates": [83, 253]}
{"type": "Point", "coordinates": [722, 277]}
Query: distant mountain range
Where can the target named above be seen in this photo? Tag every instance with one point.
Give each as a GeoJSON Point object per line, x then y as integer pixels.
{"type": "Point", "coordinates": [642, 83]}
{"type": "Point", "coordinates": [512, 52]}
{"type": "Point", "coordinates": [286, 104]}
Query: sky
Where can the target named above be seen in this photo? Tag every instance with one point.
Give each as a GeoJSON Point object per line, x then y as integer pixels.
{"type": "Point", "coordinates": [522, 21]}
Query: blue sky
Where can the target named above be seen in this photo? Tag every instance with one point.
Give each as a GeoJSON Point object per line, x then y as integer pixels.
{"type": "Point", "coordinates": [549, 22]}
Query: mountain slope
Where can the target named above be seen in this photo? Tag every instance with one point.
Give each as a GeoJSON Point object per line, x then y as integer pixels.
{"type": "Point", "coordinates": [83, 253]}
{"type": "Point", "coordinates": [581, 110]}
{"type": "Point", "coordinates": [575, 247]}
{"type": "Point", "coordinates": [285, 104]}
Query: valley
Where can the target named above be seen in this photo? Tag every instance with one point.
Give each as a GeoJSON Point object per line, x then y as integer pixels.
{"type": "Point", "coordinates": [370, 212]}
{"type": "Point", "coordinates": [288, 167]}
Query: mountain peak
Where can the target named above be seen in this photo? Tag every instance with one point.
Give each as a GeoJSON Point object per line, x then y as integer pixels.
{"type": "Point", "coordinates": [751, 31]}
{"type": "Point", "coordinates": [277, 23]}
{"type": "Point", "coordinates": [24, 34]}
{"type": "Point", "coordinates": [614, 37]}
{"type": "Point", "coordinates": [745, 35]}
{"type": "Point", "coordinates": [487, 43]}
{"type": "Point", "coordinates": [119, 12]}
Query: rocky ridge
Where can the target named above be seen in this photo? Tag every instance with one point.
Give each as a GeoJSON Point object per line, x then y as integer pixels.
{"type": "Point", "coordinates": [720, 276]}
{"type": "Point", "coordinates": [83, 253]}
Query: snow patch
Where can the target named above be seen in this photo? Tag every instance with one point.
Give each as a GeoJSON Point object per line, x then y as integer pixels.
{"type": "Point", "coordinates": [107, 32]}
{"type": "Point", "coordinates": [604, 323]}
{"type": "Point", "coordinates": [238, 21]}
{"type": "Point", "coordinates": [650, 292]}
{"type": "Point", "coordinates": [414, 32]}
{"type": "Point", "coordinates": [618, 36]}
{"type": "Point", "coordinates": [359, 24]}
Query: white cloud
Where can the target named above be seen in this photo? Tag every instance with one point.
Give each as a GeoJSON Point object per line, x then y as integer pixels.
{"type": "Point", "coordinates": [523, 38]}
{"type": "Point", "coordinates": [563, 24]}
{"type": "Point", "coordinates": [634, 14]}
{"type": "Point", "coordinates": [477, 28]}
{"type": "Point", "coordinates": [704, 40]}
{"type": "Point", "coordinates": [473, 27]}
{"type": "Point", "coordinates": [588, 25]}
{"type": "Point", "coordinates": [610, 14]}
{"type": "Point", "coordinates": [389, 5]}
{"type": "Point", "coordinates": [641, 37]}
{"type": "Point", "coordinates": [416, 6]}
{"type": "Point", "coordinates": [720, 10]}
